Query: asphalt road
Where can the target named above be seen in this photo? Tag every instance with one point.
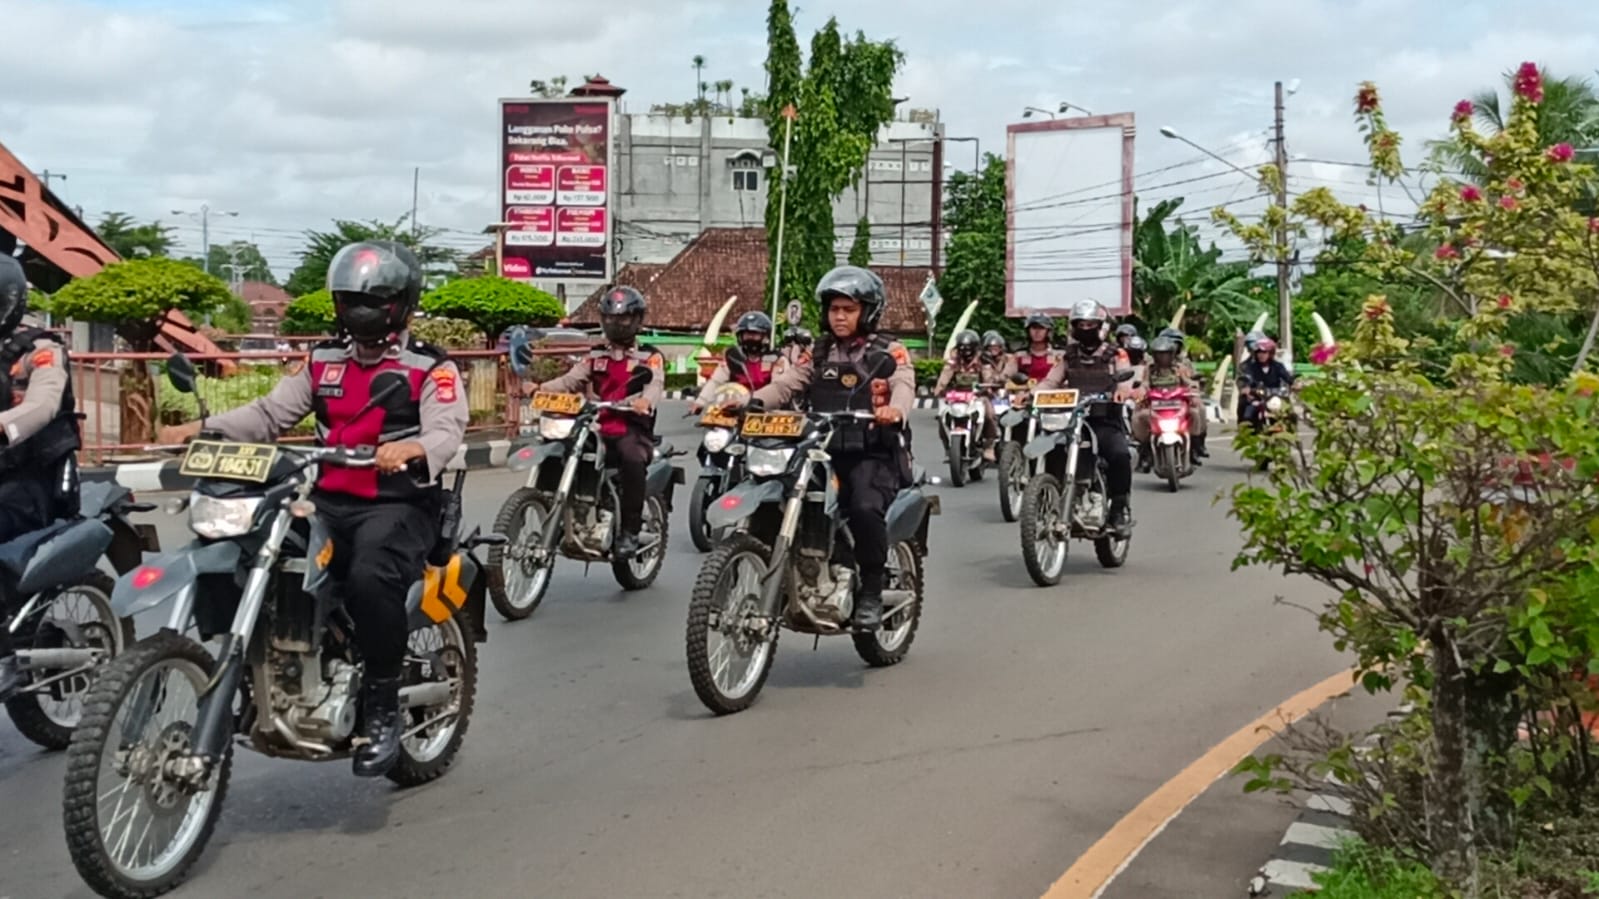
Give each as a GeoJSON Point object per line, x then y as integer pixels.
{"type": "Point", "coordinates": [1024, 724]}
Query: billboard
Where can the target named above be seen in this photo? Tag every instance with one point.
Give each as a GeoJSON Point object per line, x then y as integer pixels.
{"type": "Point", "coordinates": [1069, 214]}
{"type": "Point", "coordinates": [555, 187]}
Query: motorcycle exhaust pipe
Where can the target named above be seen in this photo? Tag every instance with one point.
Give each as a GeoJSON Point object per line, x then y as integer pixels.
{"type": "Point", "coordinates": [423, 695]}
{"type": "Point", "coordinates": [56, 659]}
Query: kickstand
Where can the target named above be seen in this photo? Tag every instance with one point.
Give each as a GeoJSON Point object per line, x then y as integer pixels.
{"type": "Point", "coordinates": [815, 642]}
{"type": "Point", "coordinates": [586, 568]}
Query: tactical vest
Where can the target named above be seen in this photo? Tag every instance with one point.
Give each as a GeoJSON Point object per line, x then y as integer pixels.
{"type": "Point", "coordinates": [1165, 378]}
{"type": "Point", "coordinates": [966, 374]}
{"type": "Point", "coordinates": [609, 378]}
{"type": "Point", "coordinates": [59, 438]}
{"type": "Point", "coordinates": [341, 391]}
{"type": "Point", "coordinates": [1035, 367]}
{"type": "Point", "coordinates": [1091, 372]}
{"type": "Point", "coordinates": [845, 384]}
{"type": "Point", "coordinates": [752, 373]}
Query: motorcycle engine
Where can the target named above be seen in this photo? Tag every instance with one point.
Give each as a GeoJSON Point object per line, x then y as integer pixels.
{"type": "Point", "coordinates": [1092, 510]}
{"type": "Point", "coordinates": [333, 719]}
{"type": "Point", "coordinates": [827, 589]}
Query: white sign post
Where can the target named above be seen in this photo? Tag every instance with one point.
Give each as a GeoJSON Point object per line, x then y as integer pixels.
{"type": "Point", "coordinates": [932, 301]}
{"type": "Point", "coordinates": [796, 313]}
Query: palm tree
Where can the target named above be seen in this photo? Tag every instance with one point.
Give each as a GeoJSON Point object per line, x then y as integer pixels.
{"type": "Point", "coordinates": [724, 96]}
{"type": "Point", "coordinates": [1568, 114]}
{"type": "Point", "coordinates": [131, 239]}
{"type": "Point", "coordinates": [699, 73]}
{"type": "Point", "coordinates": [1171, 268]}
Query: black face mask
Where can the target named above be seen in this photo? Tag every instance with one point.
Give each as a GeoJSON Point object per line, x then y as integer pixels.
{"type": "Point", "coordinates": [1089, 339]}
{"type": "Point", "coordinates": [368, 323]}
{"type": "Point", "coordinates": [753, 346]}
{"type": "Point", "coordinates": [619, 329]}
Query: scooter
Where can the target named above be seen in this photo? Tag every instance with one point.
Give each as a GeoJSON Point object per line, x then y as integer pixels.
{"type": "Point", "coordinates": [1171, 446]}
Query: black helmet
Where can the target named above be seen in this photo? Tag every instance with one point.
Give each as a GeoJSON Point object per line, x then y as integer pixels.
{"type": "Point", "coordinates": [1040, 320]}
{"type": "Point", "coordinates": [1163, 344]}
{"type": "Point", "coordinates": [967, 343]}
{"type": "Point", "coordinates": [1135, 349]}
{"type": "Point", "coordinates": [1172, 334]}
{"type": "Point", "coordinates": [376, 286]}
{"type": "Point", "coordinates": [13, 294]}
{"type": "Point", "coordinates": [799, 336]}
{"type": "Point", "coordinates": [859, 284]}
{"type": "Point", "coordinates": [759, 323]}
{"type": "Point", "coordinates": [622, 314]}
{"type": "Point", "coordinates": [1127, 330]}
{"type": "Point", "coordinates": [992, 339]}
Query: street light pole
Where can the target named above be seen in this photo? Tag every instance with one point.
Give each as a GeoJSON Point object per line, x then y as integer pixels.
{"type": "Point", "coordinates": [1028, 112]}
{"type": "Point", "coordinates": [1285, 311]}
{"type": "Point", "coordinates": [782, 211]}
{"type": "Point", "coordinates": [205, 233]}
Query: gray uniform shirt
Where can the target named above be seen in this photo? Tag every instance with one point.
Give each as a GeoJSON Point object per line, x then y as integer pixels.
{"type": "Point", "coordinates": [44, 370]}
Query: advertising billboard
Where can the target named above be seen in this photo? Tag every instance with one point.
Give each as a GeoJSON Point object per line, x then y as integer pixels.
{"type": "Point", "coordinates": [1069, 214]}
{"type": "Point", "coordinates": [555, 187]}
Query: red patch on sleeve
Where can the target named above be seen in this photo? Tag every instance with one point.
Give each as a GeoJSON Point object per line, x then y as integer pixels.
{"type": "Point", "coordinates": [44, 359]}
{"type": "Point", "coordinates": [900, 356]}
{"type": "Point", "coordinates": [444, 383]}
{"type": "Point", "coordinates": [656, 361]}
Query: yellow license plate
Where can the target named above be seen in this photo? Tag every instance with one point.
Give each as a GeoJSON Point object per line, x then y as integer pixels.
{"type": "Point", "coordinates": [715, 418]}
{"type": "Point", "coordinates": [774, 424]}
{"type": "Point", "coordinates": [1055, 399]}
{"type": "Point", "coordinates": [559, 403]}
{"type": "Point", "coordinates": [231, 461]}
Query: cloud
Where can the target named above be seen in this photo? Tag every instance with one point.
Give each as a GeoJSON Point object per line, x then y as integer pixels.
{"type": "Point", "coordinates": [293, 112]}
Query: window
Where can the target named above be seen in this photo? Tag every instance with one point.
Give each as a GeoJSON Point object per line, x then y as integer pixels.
{"type": "Point", "coordinates": [746, 179]}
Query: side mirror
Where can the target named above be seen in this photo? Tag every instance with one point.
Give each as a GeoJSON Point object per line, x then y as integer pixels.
{"type": "Point", "coordinates": [520, 351]}
{"type": "Point", "coordinates": [180, 371]}
{"type": "Point", "coordinates": [1125, 374]}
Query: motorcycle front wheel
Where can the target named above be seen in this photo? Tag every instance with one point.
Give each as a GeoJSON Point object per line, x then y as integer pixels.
{"type": "Point", "coordinates": [890, 644]}
{"type": "Point", "coordinates": [1166, 464]}
{"type": "Point", "coordinates": [1044, 536]}
{"type": "Point", "coordinates": [79, 617]}
{"type": "Point", "coordinates": [699, 503]}
{"type": "Point", "coordinates": [729, 654]}
{"type": "Point", "coordinates": [1012, 479]}
{"type": "Point", "coordinates": [517, 583]}
{"type": "Point", "coordinates": [957, 462]}
{"type": "Point", "coordinates": [135, 825]}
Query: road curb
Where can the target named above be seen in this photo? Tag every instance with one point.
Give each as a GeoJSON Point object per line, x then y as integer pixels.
{"type": "Point", "coordinates": [163, 476]}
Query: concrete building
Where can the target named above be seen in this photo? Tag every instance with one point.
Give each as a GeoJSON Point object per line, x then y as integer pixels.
{"type": "Point", "coordinates": [676, 177]}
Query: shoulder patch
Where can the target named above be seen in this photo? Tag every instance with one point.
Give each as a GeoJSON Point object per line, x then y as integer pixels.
{"type": "Point", "coordinates": [43, 359]}
{"type": "Point", "coordinates": [900, 354]}
{"type": "Point", "coordinates": [657, 361]}
{"type": "Point", "coordinates": [444, 382]}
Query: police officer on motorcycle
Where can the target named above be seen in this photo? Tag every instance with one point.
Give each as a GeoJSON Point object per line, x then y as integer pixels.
{"type": "Point", "coordinates": [1261, 372]}
{"type": "Point", "coordinates": [1091, 365]}
{"type": "Point", "coordinates": [994, 351]}
{"type": "Point", "coordinates": [371, 386]}
{"type": "Point", "coordinates": [38, 434]}
{"type": "Point", "coordinates": [606, 374]}
{"type": "Point", "coordinates": [855, 368]}
{"type": "Point", "coordinates": [1163, 372]}
{"type": "Point", "coordinates": [1125, 332]}
{"type": "Point", "coordinates": [797, 345]}
{"type": "Point", "coordinates": [968, 364]}
{"type": "Point", "coordinates": [749, 362]}
{"type": "Point", "coordinates": [1039, 358]}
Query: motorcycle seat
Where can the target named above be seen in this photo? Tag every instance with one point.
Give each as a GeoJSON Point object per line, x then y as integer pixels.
{"type": "Point", "coordinates": [16, 553]}
{"type": "Point", "coordinates": [97, 496]}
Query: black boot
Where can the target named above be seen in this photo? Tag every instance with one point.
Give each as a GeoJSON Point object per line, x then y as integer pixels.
{"type": "Point", "coordinates": [1146, 462]}
{"type": "Point", "coordinates": [626, 546]}
{"type": "Point", "coordinates": [380, 718]}
{"type": "Point", "coordinates": [868, 615]}
{"type": "Point", "coordinates": [1199, 447]}
{"type": "Point", "coordinates": [10, 677]}
{"type": "Point", "coordinates": [1121, 516]}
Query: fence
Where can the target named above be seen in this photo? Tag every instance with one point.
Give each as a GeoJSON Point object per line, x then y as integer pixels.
{"type": "Point", "coordinates": [125, 397]}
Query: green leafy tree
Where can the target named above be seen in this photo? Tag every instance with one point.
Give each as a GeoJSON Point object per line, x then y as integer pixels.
{"type": "Point", "coordinates": [1173, 269]}
{"type": "Point", "coordinates": [842, 99]}
{"type": "Point", "coordinates": [494, 304]}
{"type": "Point", "coordinates": [132, 239]}
{"type": "Point", "coordinates": [450, 333]}
{"type": "Point", "coordinates": [974, 269]}
{"type": "Point", "coordinates": [232, 316]}
{"type": "Point", "coordinates": [133, 296]}
{"type": "Point", "coordinates": [1568, 113]}
{"type": "Point", "coordinates": [554, 87]}
{"type": "Point", "coordinates": [310, 314]}
{"type": "Point", "coordinates": [438, 262]}
{"type": "Point", "coordinates": [253, 266]}
{"type": "Point", "coordinates": [860, 252]}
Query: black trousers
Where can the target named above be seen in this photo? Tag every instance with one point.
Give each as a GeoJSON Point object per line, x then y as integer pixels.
{"type": "Point", "coordinates": [1118, 456]}
{"type": "Point", "coordinates": [631, 453]}
{"type": "Point", "coordinates": [379, 550]}
{"type": "Point", "coordinates": [868, 483]}
{"type": "Point", "coordinates": [29, 502]}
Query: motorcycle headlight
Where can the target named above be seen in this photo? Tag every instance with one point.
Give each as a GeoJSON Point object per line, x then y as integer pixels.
{"type": "Point", "coordinates": [214, 518]}
{"type": "Point", "coordinates": [556, 428]}
{"type": "Point", "coordinates": [1167, 425]}
{"type": "Point", "coordinates": [768, 462]}
{"type": "Point", "coordinates": [1274, 405]}
{"type": "Point", "coordinates": [1054, 421]}
{"type": "Point", "coordinates": [717, 439]}
{"type": "Point", "coordinates": [959, 410]}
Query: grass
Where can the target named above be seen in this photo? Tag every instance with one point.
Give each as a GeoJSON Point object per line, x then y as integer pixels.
{"type": "Point", "coordinates": [1363, 872]}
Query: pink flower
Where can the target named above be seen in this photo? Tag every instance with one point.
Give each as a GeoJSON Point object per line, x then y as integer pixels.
{"type": "Point", "coordinates": [1366, 99]}
{"type": "Point", "coordinates": [1560, 153]}
{"type": "Point", "coordinates": [1505, 300]}
{"type": "Point", "coordinates": [1464, 110]}
{"type": "Point", "coordinates": [1470, 194]}
{"type": "Point", "coordinates": [1507, 350]}
{"type": "Point", "coordinates": [1529, 83]}
{"type": "Point", "coordinates": [1321, 353]}
{"type": "Point", "coordinates": [1514, 185]}
{"type": "Point", "coordinates": [1447, 251]}
{"type": "Point", "coordinates": [1593, 226]}
{"type": "Point", "coordinates": [1508, 203]}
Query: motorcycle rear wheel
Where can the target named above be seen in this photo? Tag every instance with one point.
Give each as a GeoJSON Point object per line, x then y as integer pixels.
{"type": "Point", "coordinates": [726, 594]}
{"type": "Point", "coordinates": [890, 645]}
{"type": "Point", "coordinates": [432, 736]}
{"type": "Point", "coordinates": [36, 717]}
{"type": "Point", "coordinates": [642, 570]}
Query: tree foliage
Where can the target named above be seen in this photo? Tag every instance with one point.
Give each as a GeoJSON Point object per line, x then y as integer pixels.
{"type": "Point", "coordinates": [253, 266]}
{"type": "Point", "coordinates": [311, 275]}
{"type": "Point", "coordinates": [132, 295]}
{"type": "Point", "coordinates": [132, 239]}
{"type": "Point", "coordinates": [974, 270]}
{"type": "Point", "coordinates": [1568, 113]}
{"type": "Point", "coordinates": [842, 100]}
{"type": "Point", "coordinates": [860, 251]}
{"type": "Point", "coordinates": [493, 304]}
{"type": "Point", "coordinates": [1173, 269]}
{"type": "Point", "coordinates": [310, 314]}
{"type": "Point", "coordinates": [450, 333]}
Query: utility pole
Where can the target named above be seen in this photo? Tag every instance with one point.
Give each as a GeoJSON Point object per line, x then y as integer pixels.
{"type": "Point", "coordinates": [416, 178]}
{"type": "Point", "coordinates": [782, 210]}
{"type": "Point", "coordinates": [1285, 322]}
{"type": "Point", "coordinates": [46, 175]}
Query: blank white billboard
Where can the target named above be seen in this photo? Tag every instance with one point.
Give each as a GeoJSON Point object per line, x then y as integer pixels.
{"type": "Point", "coordinates": [1069, 214]}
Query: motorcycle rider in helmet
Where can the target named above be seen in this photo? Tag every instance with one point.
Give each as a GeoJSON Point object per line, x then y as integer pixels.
{"type": "Point", "coordinates": [1261, 372]}
{"type": "Point", "coordinates": [605, 375]}
{"type": "Point", "coordinates": [1125, 332]}
{"type": "Point", "coordinates": [38, 435]}
{"type": "Point", "coordinates": [1040, 358]}
{"type": "Point", "coordinates": [994, 351]}
{"type": "Point", "coordinates": [748, 362]}
{"type": "Point", "coordinates": [856, 368]}
{"type": "Point", "coordinates": [967, 367]}
{"type": "Point", "coordinates": [1091, 365]}
{"type": "Point", "coordinates": [383, 521]}
{"type": "Point", "coordinates": [797, 345]}
{"type": "Point", "coordinates": [1164, 371]}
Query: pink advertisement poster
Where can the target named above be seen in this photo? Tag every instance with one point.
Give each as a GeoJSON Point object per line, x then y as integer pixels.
{"type": "Point", "coordinates": [555, 188]}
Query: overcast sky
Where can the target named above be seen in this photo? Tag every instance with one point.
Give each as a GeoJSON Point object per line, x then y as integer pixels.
{"type": "Point", "coordinates": [292, 112]}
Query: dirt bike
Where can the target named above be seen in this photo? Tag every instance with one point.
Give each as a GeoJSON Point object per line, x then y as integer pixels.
{"type": "Point", "coordinates": [1017, 428]}
{"type": "Point", "coordinates": [570, 505]}
{"type": "Point", "coordinates": [719, 469]}
{"type": "Point", "coordinates": [149, 765]}
{"type": "Point", "coordinates": [961, 416]}
{"type": "Point", "coordinates": [64, 628]}
{"type": "Point", "coordinates": [1067, 499]}
{"type": "Point", "coordinates": [1170, 443]}
{"type": "Point", "coordinates": [778, 568]}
